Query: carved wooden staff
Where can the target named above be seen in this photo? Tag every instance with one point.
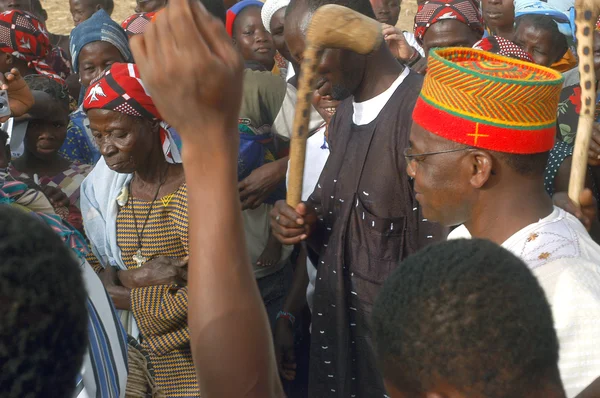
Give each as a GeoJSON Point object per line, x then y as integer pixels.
{"type": "Point", "coordinates": [331, 26]}
{"type": "Point", "coordinates": [585, 19]}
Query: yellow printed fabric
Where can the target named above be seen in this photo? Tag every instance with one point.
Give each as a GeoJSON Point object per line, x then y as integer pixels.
{"type": "Point", "coordinates": [161, 311]}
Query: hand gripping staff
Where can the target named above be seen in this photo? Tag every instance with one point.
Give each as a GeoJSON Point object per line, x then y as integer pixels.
{"type": "Point", "coordinates": [331, 26]}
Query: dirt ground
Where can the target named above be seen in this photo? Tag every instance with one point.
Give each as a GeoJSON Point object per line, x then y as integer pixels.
{"type": "Point", "coordinates": [60, 22]}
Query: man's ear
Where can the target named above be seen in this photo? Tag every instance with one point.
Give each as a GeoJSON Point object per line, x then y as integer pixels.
{"type": "Point", "coordinates": [9, 59]}
{"type": "Point", "coordinates": [481, 168]}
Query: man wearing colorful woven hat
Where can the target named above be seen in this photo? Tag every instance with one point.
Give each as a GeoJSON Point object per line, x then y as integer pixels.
{"type": "Point", "coordinates": [482, 130]}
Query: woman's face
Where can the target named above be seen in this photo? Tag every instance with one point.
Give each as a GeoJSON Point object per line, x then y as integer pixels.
{"type": "Point", "coordinates": [537, 42]}
{"type": "Point", "coordinates": [94, 58]}
{"type": "Point", "coordinates": [45, 137]}
{"type": "Point", "coordinates": [498, 13]}
{"type": "Point", "coordinates": [124, 141]}
{"type": "Point", "coordinates": [277, 29]}
{"type": "Point", "coordinates": [252, 39]}
{"type": "Point", "coordinates": [449, 33]}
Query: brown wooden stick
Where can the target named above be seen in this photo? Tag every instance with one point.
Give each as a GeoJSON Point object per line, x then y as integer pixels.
{"type": "Point", "coordinates": [585, 19]}
{"type": "Point", "coordinates": [331, 26]}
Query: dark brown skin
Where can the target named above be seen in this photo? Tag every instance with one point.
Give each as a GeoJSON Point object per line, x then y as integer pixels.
{"type": "Point", "coordinates": [537, 42]}
{"type": "Point", "coordinates": [132, 145]}
{"type": "Point", "coordinates": [363, 77]}
{"type": "Point", "coordinates": [252, 39]}
{"type": "Point", "coordinates": [277, 28]}
{"type": "Point", "coordinates": [499, 16]}
{"type": "Point", "coordinates": [43, 139]}
{"type": "Point", "coordinates": [95, 58]}
{"type": "Point", "coordinates": [149, 5]}
{"type": "Point", "coordinates": [459, 188]}
{"type": "Point", "coordinates": [449, 33]}
{"type": "Point", "coordinates": [8, 62]}
{"type": "Point", "coordinates": [229, 332]}
{"type": "Point", "coordinates": [82, 10]}
{"type": "Point", "coordinates": [386, 11]}
{"type": "Point", "coordinates": [8, 5]}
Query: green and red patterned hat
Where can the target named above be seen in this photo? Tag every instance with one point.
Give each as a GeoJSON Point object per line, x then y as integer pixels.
{"type": "Point", "coordinates": [489, 101]}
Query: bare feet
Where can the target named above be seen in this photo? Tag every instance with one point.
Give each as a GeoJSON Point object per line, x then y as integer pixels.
{"type": "Point", "coordinates": [271, 255]}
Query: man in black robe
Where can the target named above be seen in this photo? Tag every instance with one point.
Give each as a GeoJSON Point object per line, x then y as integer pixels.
{"type": "Point", "coordinates": [362, 218]}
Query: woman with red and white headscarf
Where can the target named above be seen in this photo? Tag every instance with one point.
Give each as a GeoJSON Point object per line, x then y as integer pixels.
{"type": "Point", "coordinates": [453, 23]}
{"type": "Point", "coordinates": [25, 44]}
{"type": "Point", "coordinates": [137, 224]}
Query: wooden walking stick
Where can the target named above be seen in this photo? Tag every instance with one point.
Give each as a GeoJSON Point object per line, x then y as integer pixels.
{"type": "Point", "coordinates": [331, 26]}
{"type": "Point", "coordinates": [585, 19]}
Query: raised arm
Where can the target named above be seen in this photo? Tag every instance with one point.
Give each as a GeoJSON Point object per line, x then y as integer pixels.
{"type": "Point", "coordinates": [198, 89]}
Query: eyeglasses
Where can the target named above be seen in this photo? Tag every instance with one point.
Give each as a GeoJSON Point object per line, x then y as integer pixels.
{"type": "Point", "coordinates": [413, 159]}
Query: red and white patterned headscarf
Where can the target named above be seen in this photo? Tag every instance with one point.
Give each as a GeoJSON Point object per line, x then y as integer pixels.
{"type": "Point", "coordinates": [501, 46]}
{"type": "Point", "coordinates": [120, 89]}
{"type": "Point", "coordinates": [432, 11]}
{"type": "Point", "coordinates": [137, 23]}
{"type": "Point", "coordinates": [25, 37]}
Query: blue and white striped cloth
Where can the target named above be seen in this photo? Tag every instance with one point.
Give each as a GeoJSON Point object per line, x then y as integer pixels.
{"type": "Point", "coordinates": [104, 371]}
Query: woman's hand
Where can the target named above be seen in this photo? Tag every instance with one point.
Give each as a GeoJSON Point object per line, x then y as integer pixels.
{"type": "Point", "coordinates": [257, 187]}
{"type": "Point", "coordinates": [20, 98]}
{"type": "Point", "coordinates": [159, 271]}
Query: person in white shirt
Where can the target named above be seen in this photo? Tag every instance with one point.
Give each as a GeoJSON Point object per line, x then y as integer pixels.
{"type": "Point", "coordinates": [482, 130]}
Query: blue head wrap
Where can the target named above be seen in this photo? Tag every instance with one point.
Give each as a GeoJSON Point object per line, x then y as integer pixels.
{"type": "Point", "coordinates": [99, 27]}
{"type": "Point", "coordinates": [561, 11]}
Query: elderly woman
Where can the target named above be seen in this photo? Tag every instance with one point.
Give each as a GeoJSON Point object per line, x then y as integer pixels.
{"type": "Point", "coordinates": [134, 205]}
{"type": "Point", "coordinates": [96, 43]}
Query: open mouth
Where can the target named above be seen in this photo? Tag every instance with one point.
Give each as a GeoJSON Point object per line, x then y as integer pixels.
{"type": "Point", "coordinates": [493, 15]}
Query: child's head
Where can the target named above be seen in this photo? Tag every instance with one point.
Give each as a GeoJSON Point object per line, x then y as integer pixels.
{"type": "Point", "coordinates": [466, 318]}
{"type": "Point", "coordinates": [44, 137]}
{"type": "Point", "coordinates": [245, 26]}
{"type": "Point", "coordinates": [386, 11]}
{"type": "Point", "coordinates": [84, 9]}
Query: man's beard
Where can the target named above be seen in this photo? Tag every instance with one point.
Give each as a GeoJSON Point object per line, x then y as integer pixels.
{"type": "Point", "coordinates": [340, 93]}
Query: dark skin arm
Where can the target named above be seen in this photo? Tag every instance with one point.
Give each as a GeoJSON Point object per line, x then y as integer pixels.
{"type": "Point", "coordinates": [229, 332]}
{"type": "Point", "coordinates": [284, 330]}
{"type": "Point", "coordinates": [257, 187]}
{"type": "Point", "coordinates": [158, 271]}
{"type": "Point", "coordinates": [587, 213]}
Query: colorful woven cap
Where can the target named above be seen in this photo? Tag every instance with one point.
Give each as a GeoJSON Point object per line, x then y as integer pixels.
{"type": "Point", "coordinates": [137, 23]}
{"type": "Point", "coordinates": [489, 101]}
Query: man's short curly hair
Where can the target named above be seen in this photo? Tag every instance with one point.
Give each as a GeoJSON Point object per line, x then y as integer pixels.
{"type": "Point", "coordinates": [470, 313]}
{"type": "Point", "coordinates": [43, 316]}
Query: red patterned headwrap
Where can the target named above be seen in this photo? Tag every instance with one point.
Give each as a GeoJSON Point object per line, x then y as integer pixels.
{"type": "Point", "coordinates": [501, 46]}
{"type": "Point", "coordinates": [488, 101]}
{"type": "Point", "coordinates": [120, 89]}
{"type": "Point", "coordinates": [137, 23]}
{"type": "Point", "coordinates": [23, 36]}
{"type": "Point", "coordinates": [432, 11]}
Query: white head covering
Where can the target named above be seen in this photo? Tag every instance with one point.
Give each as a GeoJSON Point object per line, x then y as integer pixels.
{"type": "Point", "coordinates": [270, 8]}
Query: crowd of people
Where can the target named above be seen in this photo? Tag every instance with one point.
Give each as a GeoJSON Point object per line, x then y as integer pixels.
{"type": "Point", "coordinates": [148, 249]}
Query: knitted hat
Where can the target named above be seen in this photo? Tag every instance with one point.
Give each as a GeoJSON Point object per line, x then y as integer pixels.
{"type": "Point", "coordinates": [269, 9]}
{"type": "Point", "coordinates": [233, 12]}
{"type": "Point", "coordinates": [137, 23]}
{"type": "Point", "coordinates": [489, 101]}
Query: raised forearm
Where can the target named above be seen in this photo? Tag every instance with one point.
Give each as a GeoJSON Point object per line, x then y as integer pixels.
{"type": "Point", "coordinates": [224, 302]}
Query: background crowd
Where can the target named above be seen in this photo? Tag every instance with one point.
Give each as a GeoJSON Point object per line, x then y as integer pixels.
{"type": "Point", "coordinates": [435, 252]}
